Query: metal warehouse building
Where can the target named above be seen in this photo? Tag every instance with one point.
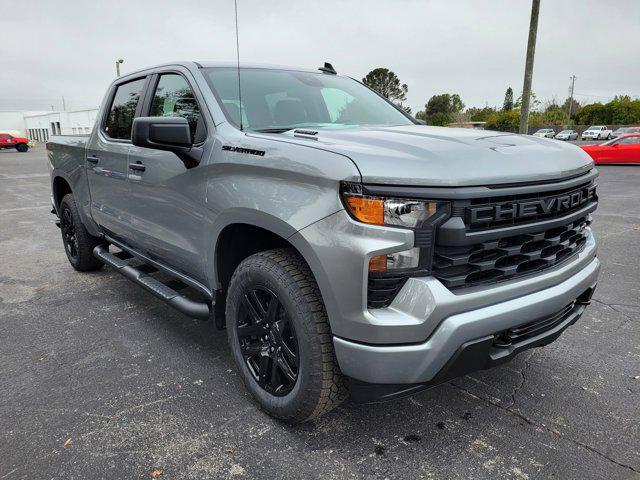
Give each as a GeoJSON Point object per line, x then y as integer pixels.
{"type": "Point", "coordinates": [39, 126]}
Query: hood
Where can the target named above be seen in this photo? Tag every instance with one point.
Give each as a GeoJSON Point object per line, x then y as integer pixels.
{"type": "Point", "coordinates": [442, 156]}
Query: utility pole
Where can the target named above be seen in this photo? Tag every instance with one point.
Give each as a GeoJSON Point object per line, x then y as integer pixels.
{"type": "Point", "coordinates": [573, 82]}
{"type": "Point", "coordinates": [528, 67]}
{"type": "Point", "coordinates": [118, 62]}
{"type": "Point", "coordinates": [64, 106]}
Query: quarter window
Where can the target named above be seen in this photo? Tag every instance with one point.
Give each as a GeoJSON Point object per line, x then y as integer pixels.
{"type": "Point", "coordinates": [123, 109]}
{"type": "Point", "coordinates": [174, 98]}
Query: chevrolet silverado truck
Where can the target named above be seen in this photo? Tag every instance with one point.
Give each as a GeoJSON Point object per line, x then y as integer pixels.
{"type": "Point", "coordinates": [345, 248]}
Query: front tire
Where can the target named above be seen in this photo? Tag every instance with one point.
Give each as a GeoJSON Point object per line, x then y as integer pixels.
{"type": "Point", "coordinates": [280, 338]}
{"type": "Point", "coordinates": [78, 243]}
{"type": "Point", "coordinates": [22, 147]}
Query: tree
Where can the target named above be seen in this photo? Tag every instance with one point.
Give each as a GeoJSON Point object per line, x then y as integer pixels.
{"type": "Point", "coordinates": [575, 106]}
{"type": "Point", "coordinates": [624, 110]}
{"type": "Point", "coordinates": [508, 100]}
{"type": "Point", "coordinates": [593, 113]}
{"type": "Point", "coordinates": [534, 103]}
{"type": "Point", "coordinates": [480, 114]}
{"type": "Point", "coordinates": [387, 84]}
{"type": "Point", "coordinates": [441, 109]}
{"type": "Point", "coordinates": [504, 121]}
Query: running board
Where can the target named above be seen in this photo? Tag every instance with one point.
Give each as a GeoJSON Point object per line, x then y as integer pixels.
{"type": "Point", "coordinates": [200, 310]}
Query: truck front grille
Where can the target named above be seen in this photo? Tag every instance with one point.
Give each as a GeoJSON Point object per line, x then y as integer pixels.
{"type": "Point", "coordinates": [579, 194]}
{"type": "Point", "coordinates": [508, 257]}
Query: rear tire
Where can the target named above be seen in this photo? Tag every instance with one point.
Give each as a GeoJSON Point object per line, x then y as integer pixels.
{"type": "Point", "coordinates": [22, 147]}
{"type": "Point", "coordinates": [78, 243]}
{"type": "Point", "coordinates": [283, 350]}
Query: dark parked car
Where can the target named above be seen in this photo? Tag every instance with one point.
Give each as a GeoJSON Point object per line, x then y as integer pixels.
{"type": "Point", "coordinates": [624, 131]}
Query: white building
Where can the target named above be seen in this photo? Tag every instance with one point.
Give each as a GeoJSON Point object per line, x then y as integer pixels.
{"type": "Point", "coordinates": [39, 126]}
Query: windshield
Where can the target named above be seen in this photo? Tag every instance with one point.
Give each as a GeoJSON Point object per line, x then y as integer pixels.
{"type": "Point", "coordinates": [565, 131]}
{"type": "Point", "coordinates": [279, 100]}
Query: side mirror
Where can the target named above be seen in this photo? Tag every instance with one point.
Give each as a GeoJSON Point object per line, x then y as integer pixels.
{"type": "Point", "coordinates": [162, 133]}
{"type": "Point", "coordinates": [171, 134]}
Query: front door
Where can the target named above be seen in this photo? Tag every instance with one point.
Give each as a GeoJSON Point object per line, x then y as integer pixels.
{"type": "Point", "coordinates": [627, 150]}
{"type": "Point", "coordinates": [106, 160]}
{"type": "Point", "coordinates": [166, 199]}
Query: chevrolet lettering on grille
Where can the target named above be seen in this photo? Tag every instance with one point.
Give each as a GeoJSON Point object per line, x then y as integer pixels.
{"type": "Point", "coordinates": [530, 208]}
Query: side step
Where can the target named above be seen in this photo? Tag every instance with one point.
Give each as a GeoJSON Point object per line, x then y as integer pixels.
{"type": "Point", "coordinates": [185, 305]}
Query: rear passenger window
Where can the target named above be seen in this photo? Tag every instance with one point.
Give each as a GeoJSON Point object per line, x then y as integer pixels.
{"type": "Point", "coordinates": [174, 98]}
{"type": "Point", "coordinates": [123, 110]}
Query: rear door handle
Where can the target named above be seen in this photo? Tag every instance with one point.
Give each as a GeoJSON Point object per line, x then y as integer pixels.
{"type": "Point", "coordinates": [92, 159]}
{"type": "Point", "coordinates": [137, 166]}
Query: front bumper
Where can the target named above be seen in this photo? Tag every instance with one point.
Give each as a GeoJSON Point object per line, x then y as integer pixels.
{"type": "Point", "coordinates": [411, 341]}
{"type": "Point", "coordinates": [422, 364]}
{"type": "Point", "coordinates": [482, 353]}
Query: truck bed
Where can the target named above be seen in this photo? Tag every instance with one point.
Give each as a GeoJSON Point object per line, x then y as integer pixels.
{"type": "Point", "coordinates": [67, 152]}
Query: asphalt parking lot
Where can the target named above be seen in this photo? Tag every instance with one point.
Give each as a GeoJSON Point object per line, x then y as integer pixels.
{"type": "Point", "coordinates": [101, 380]}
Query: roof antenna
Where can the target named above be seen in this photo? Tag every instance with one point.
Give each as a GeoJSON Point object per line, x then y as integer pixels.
{"type": "Point", "coordinates": [328, 68]}
{"type": "Point", "coordinates": [238, 64]}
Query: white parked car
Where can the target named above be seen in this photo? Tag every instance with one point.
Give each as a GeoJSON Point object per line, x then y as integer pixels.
{"type": "Point", "coordinates": [567, 135]}
{"type": "Point", "coordinates": [545, 133]}
{"type": "Point", "coordinates": [597, 132]}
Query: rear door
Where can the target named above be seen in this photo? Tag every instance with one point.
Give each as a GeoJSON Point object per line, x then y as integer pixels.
{"type": "Point", "coordinates": [106, 159]}
{"type": "Point", "coordinates": [166, 199]}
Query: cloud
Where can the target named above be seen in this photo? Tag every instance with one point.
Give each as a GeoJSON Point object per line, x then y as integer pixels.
{"type": "Point", "coordinates": [474, 48]}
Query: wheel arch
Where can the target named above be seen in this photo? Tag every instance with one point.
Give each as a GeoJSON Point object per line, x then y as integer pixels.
{"type": "Point", "coordinates": [60, 187]}
{"type": "Point", "coordinates": [266, 232]}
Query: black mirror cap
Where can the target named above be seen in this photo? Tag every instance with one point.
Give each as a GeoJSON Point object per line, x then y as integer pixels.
{"type": "Point", "coordinates": [162, 133]}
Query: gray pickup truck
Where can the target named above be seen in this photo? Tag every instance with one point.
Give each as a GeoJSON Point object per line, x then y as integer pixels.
{"type": "Point", "coordinates": [345, 248]}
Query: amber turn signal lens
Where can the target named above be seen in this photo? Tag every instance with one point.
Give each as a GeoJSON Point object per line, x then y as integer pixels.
{"type": "Point", "coordinates": [378, 264]}
{"type": "Point", "coordinates": [367, 210]}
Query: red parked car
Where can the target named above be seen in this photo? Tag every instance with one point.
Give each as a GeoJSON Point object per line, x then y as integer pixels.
{"type": "Point", "coordinates": [8, 140]}
{"type": "Point", "coordinates": [622, 150]}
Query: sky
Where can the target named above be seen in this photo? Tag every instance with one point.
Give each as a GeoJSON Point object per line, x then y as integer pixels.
{"type": "Point", "coordinates": [475, 48]}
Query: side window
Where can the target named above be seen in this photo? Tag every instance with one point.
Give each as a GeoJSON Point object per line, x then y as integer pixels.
{"type": "Point", "coordinates": [123, 109]}
{"type": "Point", "coordinates": [629, 140]}
{"type": "Point", "coordinates": [174, 98]}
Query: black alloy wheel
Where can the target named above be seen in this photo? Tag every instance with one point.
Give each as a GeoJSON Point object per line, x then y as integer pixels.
{"type": "Point", "coordinates": [69, 232]}
{"type": "Point", "coordinates": [268, 341]}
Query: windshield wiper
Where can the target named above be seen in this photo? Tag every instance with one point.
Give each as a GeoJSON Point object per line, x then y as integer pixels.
{"type": "Point", "coordinates": [274, 130]}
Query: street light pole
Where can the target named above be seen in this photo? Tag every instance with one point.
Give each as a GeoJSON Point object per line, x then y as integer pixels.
{"type": "Point", "coordinates": [528, 67]}
{"type": "Point", "coordinates": [573, 81]}
{"type": "Point", "coordinates": [118, 62]}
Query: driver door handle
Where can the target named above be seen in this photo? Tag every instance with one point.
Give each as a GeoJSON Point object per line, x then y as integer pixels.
{"type": "Point", "coordinates": [137, 166]}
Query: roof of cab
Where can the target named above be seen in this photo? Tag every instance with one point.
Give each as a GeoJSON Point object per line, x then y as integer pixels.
{"type": "Point", "coordinates": [214, 64]}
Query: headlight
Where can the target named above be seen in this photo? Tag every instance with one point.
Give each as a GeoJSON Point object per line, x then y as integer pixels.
{"type": "Point", "coordinates": [412, 213]}
{"type": "Point", "coordinates": [394, 212]}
